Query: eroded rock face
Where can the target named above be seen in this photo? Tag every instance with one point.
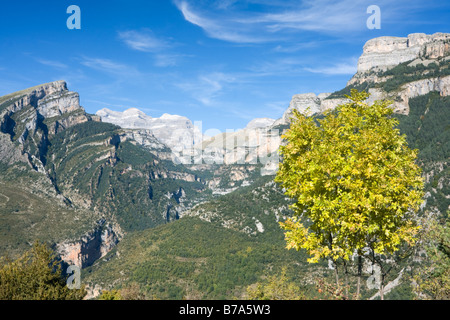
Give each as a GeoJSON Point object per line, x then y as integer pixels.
{"type": "Point", "coordinates": [146, 139]}
{"type": "Point", "coordinates": [308, 104]}
{"type": "Point", "coordinates": [301, 103]}
{"type": "Point", "coordinates": [385, 52]}
{"type": "Point", "coordinates": [418, 88]}
{"type": "Point", "coordinates": [22, 116]}
{"type": "Point", "coordinates": [48, 101]}
{"type": "Point", "coordinates": [381, 54]}
{"type": "Point", "coordinates": [91, 247]}
{"type": "Point", "coordinates": [56, 104]}
{"type": "Point", "coordinates": [177, 132]}
{"type": "Point", "coordinates": [31, 96]}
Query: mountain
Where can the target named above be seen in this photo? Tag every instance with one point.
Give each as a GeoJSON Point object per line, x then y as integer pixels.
{"type": "Point", "coordinates": [394, 68]}
{"type": "Point", "coordinates": [260, 123]}
{"type": "Point", "coordinates": [250, 213]}
{"type": "Point", "coordinates": [105, 180]}
{"type": "Point", "coordinates": [201, 153]}
{"type": "Point", "coordinates": [107, 192]}
{"type": "Point", "coordinates": [177, 132]}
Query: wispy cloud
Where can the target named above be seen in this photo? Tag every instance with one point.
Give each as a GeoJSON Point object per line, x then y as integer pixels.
{"type": "Point", "coordinates": [315, 15]}
{"type": "Point", "coordinates": [160, 48]}
{"type": "Point", "coordinates": [110, 67]}
{"type": "Point", "coordinates": [341, 68]}
{"type": "Point", "coordinates": [282, 20]}
{"type": "Point", "coordinates": [207, 87]}
{"type": "Point", "coordinates": [52, 63]}
{"type": "Point", "coordinates": [143, 40]}
{"type": "Point", "coordinates": [219, 27]}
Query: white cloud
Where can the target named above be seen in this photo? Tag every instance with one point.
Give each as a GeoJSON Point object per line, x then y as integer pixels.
{"type": "Point", "coordinates": [342, 68]}
{"type": "Point", "coordinates": [318, 15]}
{"type": "Point", "coordinates": [219, 27]}
{"type": "Point", "coordinates": [52, 63]}
{"type": "Point", "coordinates": [111, 67]}
{"type": "Point", "coordinates": [283, 20]}
{"type": "Point", "coordinates": [143, 40]}
{"type": "Point", "coordinates": [207, 87]}
{"type": "Point", "coordinates": [167, 59]}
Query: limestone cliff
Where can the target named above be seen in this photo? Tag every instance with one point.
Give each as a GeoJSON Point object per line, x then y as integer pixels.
{"type": "Point", "coordinates": [28, 121]}
{"type": "Point", "coordinates": [30, 115]}
{"type": "Point", "coordinates": [386, 52]}
{"type": "Point", "coordinates": [92, 246]}
{"type": "Point", "coordinates": [382, 54]}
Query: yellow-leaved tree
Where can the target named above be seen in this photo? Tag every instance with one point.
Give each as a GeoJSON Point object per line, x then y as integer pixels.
{"type": "Point", "coordinates": [354, 180]}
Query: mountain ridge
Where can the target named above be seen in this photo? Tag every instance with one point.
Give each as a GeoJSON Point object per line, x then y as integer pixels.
{"type": "Point", "coordinates": [105, 183]}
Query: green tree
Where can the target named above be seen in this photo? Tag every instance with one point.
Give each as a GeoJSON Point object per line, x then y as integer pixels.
{"type": "Point", "coordinates": [433, 280]}
{"type": "Point", "coordinates": [36, 275]}
{"type": "Point", "coordinates": [111, 295]}
{"type": "Point", "coordinates": [354, 182]}
{"type": "Point", "coordinates": [275, 287]}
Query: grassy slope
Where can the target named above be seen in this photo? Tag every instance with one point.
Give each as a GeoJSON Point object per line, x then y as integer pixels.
{"type": "Point", "coordinates": [26, 217]}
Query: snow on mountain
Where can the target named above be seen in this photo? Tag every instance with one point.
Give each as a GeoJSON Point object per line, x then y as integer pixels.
{"type": "Point", "coordinates": [177, 132]}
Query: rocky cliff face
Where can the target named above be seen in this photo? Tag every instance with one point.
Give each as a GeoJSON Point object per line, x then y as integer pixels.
{"type": "Point", "coordinates": [308, 103]}
{"type": "Point", "coordinates": [385, 52]}
{"type": "Point", "coordinates": [29, 116]}
{"type": "Point", "coordinates": [28, 121]}
{"type": "Point", "coordinates": [379, 55]}
{"type": "Point", "coordinates": [92, 246]}
{"type": "Point", "coordinates": [146, 139]}
{"type": "Point", "coordinates": [177, 132]}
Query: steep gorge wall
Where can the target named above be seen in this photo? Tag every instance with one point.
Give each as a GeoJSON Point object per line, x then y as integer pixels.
{"type": "Point", "coordinates": [381, 54]}
{"type": "Point", "coordinates": [92, 246]}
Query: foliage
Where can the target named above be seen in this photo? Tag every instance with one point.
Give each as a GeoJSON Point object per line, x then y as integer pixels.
{"type": "Point", "coordinates": [433, 280]}
{"type": "Point", "coordinates": [354, 178]}
{"type": "Point", "coordinates": [110, 295]}
{"type": "Point", "coordinates": [427, 129]}
{"type": "Point", "coordinates": [132, 292]}
{"type": "Point", "coordinates": [193, 259]}
{"type": "Point", "coordinates": [330, 291]}
{"type": "Point", "coordinates": [36, 275]}
{"type": "Point", "coordinates": [275, 287]}
{"type": "Point", "coordinates": [404, 73]}
{"type": "Point", "coordinates": [27, 215]}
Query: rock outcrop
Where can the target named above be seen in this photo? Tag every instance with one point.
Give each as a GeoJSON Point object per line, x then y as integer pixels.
{"type": "Point", "coordinates": [177, 132]}
{"type": "Point", "coordinates": [386, 52]}
{"type": "Point", "coordinates": [381, 54]}
{"type": "Point", "coordinates": [308, 104]}
{"type": "Point", "coordinates": [91, 247]}
{"type": "Point", "coordinates": [22, 113]}
{"type": "Point", "coordinates": [260, 123]}
{"type": "Point", "coordinates": [146, 139]}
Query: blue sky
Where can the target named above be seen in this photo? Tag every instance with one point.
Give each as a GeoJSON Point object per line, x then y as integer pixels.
{"type": "Point", "coordinates": [219, 62]}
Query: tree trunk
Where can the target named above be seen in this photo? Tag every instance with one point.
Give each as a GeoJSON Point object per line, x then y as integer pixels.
{"type": "Point", "coordinates": [336, 273]}
{"type": "Point", "coordinates": [346, 280]}
{"type": "Point", "coordinates": [358, 287]}
{"type": "Point", "coordinates": [382, 287]}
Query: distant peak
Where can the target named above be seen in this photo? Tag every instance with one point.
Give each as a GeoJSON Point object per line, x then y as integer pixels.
{"type": "Point", "coordinates": [134, 111]}
{"type": "Point", "coordinates": [260, 123]}
{"type": "Point", "coordinates": [104, 111]}
{"type": "Point", "coordinates": [171, 116]}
